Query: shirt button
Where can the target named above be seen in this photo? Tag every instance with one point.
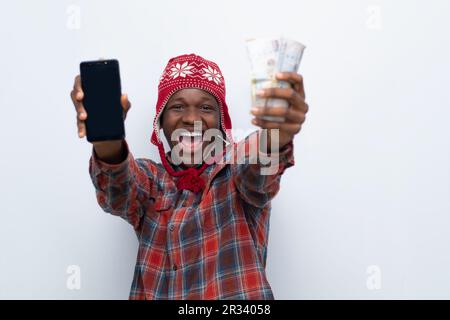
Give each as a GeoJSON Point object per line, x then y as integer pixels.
{"type": "Point", "coordinates": [175, 267]}
{"type": "Point", "coordinates": [171, 227]}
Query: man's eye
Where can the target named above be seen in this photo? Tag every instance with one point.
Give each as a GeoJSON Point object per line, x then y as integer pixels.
{"type": "Point", "coordinates": [206, 107]}
{"type": "Point", "coordinates": [177, 107]}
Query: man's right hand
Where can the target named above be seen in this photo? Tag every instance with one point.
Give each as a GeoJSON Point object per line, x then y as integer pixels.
{"type": "Point", "coordinates": [111, 151]}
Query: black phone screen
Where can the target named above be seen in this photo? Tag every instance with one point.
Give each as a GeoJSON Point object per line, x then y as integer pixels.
{"type": "Point", "coordinates": [100, 81]}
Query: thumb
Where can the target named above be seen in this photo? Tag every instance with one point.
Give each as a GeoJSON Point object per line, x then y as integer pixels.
{"type": "Point", "coordinates": [126, 105]}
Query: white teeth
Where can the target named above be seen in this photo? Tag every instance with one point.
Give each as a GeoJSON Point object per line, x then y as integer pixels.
{"type": "Point", "coordinates": [191, 134]}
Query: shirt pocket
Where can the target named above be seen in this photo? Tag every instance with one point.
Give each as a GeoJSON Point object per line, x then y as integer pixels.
{"type": "Point", "coordinates": [217, 215]}
{"type": "Point", "coordinates": [156, 206]}
{"type": "Point", "coordinates": [162, 205]}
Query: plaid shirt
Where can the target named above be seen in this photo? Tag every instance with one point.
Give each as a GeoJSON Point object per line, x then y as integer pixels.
{"type": "Point", "coordinates": [210, 245]}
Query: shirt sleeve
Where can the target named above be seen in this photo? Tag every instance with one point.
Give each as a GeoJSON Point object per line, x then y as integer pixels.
{"type": "Point", "coordinates": [122, 189]}
{"type": "Point", "coordinates": [256, 182]}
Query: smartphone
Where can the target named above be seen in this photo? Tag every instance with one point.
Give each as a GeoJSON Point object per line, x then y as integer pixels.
{"type": "Point", "coordinates": [100, 81]}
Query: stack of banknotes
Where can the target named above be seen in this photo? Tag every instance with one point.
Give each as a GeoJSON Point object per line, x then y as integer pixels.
{"type": "Point", "coordinates": [267, 57]}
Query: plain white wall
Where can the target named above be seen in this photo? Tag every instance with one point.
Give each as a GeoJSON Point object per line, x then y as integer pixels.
{"type": "Point", "coordinates": [363, 214]}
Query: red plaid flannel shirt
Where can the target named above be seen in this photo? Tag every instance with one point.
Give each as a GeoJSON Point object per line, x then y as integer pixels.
{"type": "Point", "coordinates": [210, 245]}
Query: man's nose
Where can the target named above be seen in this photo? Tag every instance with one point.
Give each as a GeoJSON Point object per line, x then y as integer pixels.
{"type": "Point", "coordinates": [190, 115]}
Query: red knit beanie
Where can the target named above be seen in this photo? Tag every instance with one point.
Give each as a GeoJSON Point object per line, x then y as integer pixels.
{"type": "Point", "coordinates": [190, 71]}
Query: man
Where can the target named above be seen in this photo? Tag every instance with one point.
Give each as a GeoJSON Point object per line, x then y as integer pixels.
{"type": "Point", "coordinates": [202, 226]}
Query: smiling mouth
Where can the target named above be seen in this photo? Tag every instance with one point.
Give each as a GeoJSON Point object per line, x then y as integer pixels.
{"type": "Point", "coordinates": [191, 140]}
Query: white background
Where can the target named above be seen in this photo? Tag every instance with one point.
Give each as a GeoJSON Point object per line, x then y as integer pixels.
{"type": "Point", "coordinates": [371, 185]}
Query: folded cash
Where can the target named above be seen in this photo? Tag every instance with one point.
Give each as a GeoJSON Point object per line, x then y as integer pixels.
{"type": "Point", "coordinates": [267, 57]}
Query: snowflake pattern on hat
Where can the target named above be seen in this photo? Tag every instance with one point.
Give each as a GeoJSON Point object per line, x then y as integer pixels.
{"type": "Point", "coordinates": [180, 70]}
{"type": "Point", "coordinates": [212, 74]}
{"type": "Point", "coordinates": [196, 69]}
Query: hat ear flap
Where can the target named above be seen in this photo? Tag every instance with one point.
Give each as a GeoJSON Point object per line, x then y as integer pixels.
{"type": "Point", "coordinates": [160, 119]}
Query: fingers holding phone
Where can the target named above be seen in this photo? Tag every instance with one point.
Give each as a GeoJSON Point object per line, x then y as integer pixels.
{"type": "Point", "coordinates": [77, 98]}
{"type": "Point", "coordinates": [126, 104]}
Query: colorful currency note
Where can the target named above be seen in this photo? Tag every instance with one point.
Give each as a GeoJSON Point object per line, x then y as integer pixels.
{"type": "Point", "coordinates": [267, 57]}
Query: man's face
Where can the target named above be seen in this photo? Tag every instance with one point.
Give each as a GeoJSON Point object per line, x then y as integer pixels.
{"type": "Point", "coordinates": [183, 109]}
